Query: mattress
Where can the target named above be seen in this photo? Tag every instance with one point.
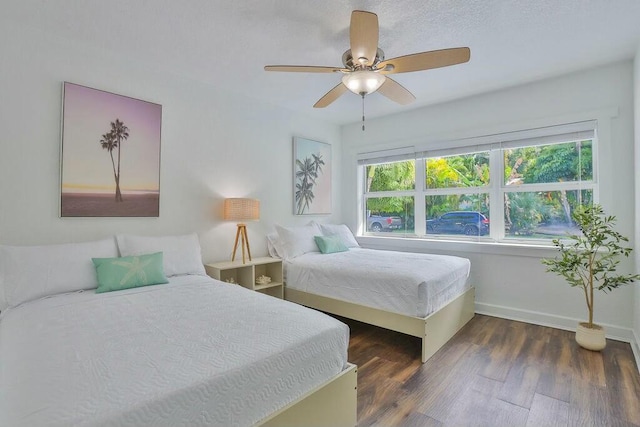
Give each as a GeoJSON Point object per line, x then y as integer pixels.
{"type": "Point", "coordinates": [407, 283]}
{"type": "Point", "coordinates": [193, 352]}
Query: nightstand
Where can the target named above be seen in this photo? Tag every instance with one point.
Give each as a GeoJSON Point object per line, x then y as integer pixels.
{"type": "Point", "coordinates": [246, 274]}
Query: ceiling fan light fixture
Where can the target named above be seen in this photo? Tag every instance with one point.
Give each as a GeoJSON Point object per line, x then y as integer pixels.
{"type": "Point", "coordinates": [363, 81]}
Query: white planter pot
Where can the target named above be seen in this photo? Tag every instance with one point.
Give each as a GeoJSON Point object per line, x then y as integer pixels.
{"type": "Point", "coordinates": [591, 338]}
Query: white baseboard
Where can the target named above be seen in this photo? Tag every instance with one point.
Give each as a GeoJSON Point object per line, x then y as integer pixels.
{"type": "Point", "coordinates": [635, 347]}
{"type": "Point", "coordinates": [560, 322]}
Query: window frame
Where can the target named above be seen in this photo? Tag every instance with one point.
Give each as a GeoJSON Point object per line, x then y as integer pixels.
{"type": "Point", "coordinates": [496, 189]}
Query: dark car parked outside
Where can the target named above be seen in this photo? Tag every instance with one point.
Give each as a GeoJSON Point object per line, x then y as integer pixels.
{"type": "Point", "coordinates": [470, 223]}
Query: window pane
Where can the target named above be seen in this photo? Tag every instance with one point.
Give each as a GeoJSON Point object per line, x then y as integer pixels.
{"type": "Point", "coordinates": [468, 170]}
{"type": "Point", "coordinates": [571, 161]}
{"type": "Point", "coordinates": [390, 214]}
{"type": "Point", "coordinates": [395, 176]}
{"type": "Point", "coordinates": [542, 214]}
{"type": "Point", "coordinates": [466, 214]}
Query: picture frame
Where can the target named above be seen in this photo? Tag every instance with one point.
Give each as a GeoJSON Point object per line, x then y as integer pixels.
{"type": "Point", "coordinates": [110, 154]}
{"type": "Point", "coordinates": [312, 170]}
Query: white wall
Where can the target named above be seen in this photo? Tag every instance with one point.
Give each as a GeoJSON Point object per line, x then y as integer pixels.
{"type": "Point", "coordinates": [214, 145]}
{"type": "Point", "coordinates": [636, 91]}
{"type": "Point", "coordinates": [510, 281]}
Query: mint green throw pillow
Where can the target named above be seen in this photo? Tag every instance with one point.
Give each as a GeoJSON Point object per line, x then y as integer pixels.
{"type": "Point", "coordinates": [330, 244]}
{"type": "Point", "coordinates": [115, 274]}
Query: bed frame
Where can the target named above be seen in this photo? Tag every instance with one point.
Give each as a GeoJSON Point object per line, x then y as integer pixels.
{"type": "Point", "coordinates": [333, 403]}
{"type": "Point", "coordinates": [434, 330]}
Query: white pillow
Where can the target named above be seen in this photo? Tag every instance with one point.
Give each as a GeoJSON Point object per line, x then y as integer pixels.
{"type": "Point", "coordinates": [31, 272]}
{"type": "Point", "coordinates": [274, 246]}
{"type": "Point", "coordinates": [342, 231]}
{"type": "Point", "coordinates": [180, 254]}
{"type": "Point", "coordinates": [296, 241]}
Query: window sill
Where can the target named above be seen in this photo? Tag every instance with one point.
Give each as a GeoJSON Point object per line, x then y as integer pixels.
{"type": "Point", "coordinates": [484, 247]}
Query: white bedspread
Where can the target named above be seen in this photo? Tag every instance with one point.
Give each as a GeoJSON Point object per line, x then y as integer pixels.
{"type": "Point", "coordinates": [192, 353]}
{"type": "Point", "coordinates": [401, 282]}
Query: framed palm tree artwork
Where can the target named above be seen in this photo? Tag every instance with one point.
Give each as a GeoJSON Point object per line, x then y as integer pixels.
{"type": "Point", "coordinates": [311, 177]}
{"type": "Point", "coordinates": [110, 164]}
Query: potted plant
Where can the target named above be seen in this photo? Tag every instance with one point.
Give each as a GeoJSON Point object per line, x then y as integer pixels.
{"type": "Point", "coordinates": [589, 261]}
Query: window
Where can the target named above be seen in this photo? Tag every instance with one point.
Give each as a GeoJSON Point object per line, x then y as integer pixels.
{"type": "Point", "coordinates": [457, 194]}
{"type": "Point", "coordinates": [390, 200]}
{"type": "Point", "coordinates": [543, 184]}
{"type": "Point", "coordinates": [517, 186]}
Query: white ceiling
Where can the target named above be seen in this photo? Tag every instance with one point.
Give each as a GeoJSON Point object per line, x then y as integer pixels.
{"type": "Point", "coordinates": [226, 43]}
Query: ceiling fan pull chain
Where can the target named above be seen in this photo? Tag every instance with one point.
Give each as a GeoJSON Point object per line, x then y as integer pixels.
{"type": "Point", "coordinates": [362, 111]}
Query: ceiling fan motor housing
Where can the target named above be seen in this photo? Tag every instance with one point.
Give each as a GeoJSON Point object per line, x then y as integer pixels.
{"type": "Point", "coordinates": [347, 60]}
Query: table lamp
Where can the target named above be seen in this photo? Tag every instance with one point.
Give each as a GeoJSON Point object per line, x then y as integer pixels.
{"type": "Point", "coordinates": [239, 209]}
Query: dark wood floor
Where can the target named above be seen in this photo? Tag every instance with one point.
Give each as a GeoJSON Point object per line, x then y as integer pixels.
{"type": "Point", "coordinates": [494, 372]}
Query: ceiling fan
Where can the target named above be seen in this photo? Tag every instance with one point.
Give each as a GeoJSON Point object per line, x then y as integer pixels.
{"type": "Point", "coordinates": [365, 69]}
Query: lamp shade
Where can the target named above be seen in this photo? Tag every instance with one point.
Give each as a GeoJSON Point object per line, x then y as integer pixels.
{"type": "Point", "coordinates": [238, 209]}
{"type": "Point", "coordinates": [363, 81]}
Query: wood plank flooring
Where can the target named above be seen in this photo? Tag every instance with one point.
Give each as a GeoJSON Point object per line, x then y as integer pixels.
{"type": "Point", "coordinates": [494, 372]}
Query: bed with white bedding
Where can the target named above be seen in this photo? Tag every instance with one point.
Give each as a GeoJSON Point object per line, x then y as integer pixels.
{"type": "Point", "coordinates": [424, 295]}
{"type": "Point", "coordinates": [192, 352]}
{"type": "Point", "coordinates": [400, 282]}
{"type": "Point", "coordinates": [166, 355]}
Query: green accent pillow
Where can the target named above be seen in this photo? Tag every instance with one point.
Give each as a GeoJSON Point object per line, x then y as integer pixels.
{"type": "Point", "coordinates": [330, 244]}
{"type": "Point", "coordinates": [115, 274]}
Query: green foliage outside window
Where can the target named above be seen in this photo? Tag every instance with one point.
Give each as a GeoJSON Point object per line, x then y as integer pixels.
{"type": "Point", "coordinates": [463, 171]}
{"type": "Point", "coordinates": [524, 210]}
{"type": "Point", "coordinates": [469, 170]}
{"type": "Point", "coordinates": [567, 162]}
{"type": "Point", "coordinates": [395, 176]}
{"type": "Point", "coordinates": [391, 176]}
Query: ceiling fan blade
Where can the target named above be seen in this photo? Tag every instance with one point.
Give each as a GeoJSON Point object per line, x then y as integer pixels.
{"type": "Point", "coordinates": [426, 60]}
{"type": "Point", "coordinates": [363, 35]}
{"type": "Point", "coordinates": [331, 96]}
{"type": "Point", "coordinates": [303, 69]}
{"type": "Point", "coordinates": [396, 92]}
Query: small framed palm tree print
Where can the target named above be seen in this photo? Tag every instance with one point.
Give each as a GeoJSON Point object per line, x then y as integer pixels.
{"type": "Point", "coordinates": [110, 163]}
{"type": "Point", "coordinates": [311, 177]}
